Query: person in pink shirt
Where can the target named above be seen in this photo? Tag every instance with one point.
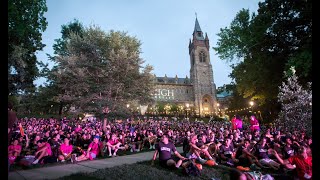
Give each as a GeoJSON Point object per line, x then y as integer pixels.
{"type": "Point", "coordinates": [254, 124]}
{"type": "Point", "coordinates": [234, 123]}
{"type": "Point", "coordinates": [14, 151]}
{"type": "Point", "coordinates": [92, 152]}
{"type": "Point", "coordinates": [78, 129]}
{"type": "Point", "coordinates": [238, 122]}
{"type": "Point", "coordinates": [113, 144]}
{"type": "Point", "coordinates": [65, 150]}
{"type": "Point", "coordinates": [44, 149]}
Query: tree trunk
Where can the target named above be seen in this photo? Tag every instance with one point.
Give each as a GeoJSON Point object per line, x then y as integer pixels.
{"type": "Point", "coordinates": [60, 108]}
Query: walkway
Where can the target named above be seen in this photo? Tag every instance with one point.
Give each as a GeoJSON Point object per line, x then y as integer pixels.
{"type": "Point", "coordinates": [55, 172]}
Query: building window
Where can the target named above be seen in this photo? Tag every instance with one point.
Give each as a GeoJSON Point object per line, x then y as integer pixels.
{"type": "Point", "coordinates": [202, 56]}
{"type": "Point", "coordinates": [199, 34]}
{"type": "Point", "coordinates": [187, 91]}
{"type": "Point", "coordinates": [206, 100]}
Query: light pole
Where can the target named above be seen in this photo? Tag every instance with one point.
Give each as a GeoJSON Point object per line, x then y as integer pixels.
{"type": "Point", "coordinates": [187, 105]}
{"type": "Point", "coordinates": [218, 105]}
{"type": "Point", "coordinates": [251, 105]}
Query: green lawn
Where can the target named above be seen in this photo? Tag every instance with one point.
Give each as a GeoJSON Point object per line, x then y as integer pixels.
{"type": "Point", "coordinates": [143, 170]}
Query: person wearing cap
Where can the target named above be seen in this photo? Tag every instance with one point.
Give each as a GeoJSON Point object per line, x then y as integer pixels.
{"type": "Point", "coordinates": [92, 151]}
{"type": "Point", "coordinates": [165, 148]}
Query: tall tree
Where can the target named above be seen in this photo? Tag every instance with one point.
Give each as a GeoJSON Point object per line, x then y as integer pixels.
{"type": "Point", "coordinates": [102, 70]}
{"type": "Point", "coordinates": [296, 101]}
{"type": "Point", "coordinates": [262, 46]}
{"type": "Point", "coordinates": [26, 22]}
{"type": "Point", "coordinates": [60, 49]}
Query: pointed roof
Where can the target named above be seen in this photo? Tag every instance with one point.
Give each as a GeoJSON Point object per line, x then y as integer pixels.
{"type": "Point", "coordinates": [197, 26]}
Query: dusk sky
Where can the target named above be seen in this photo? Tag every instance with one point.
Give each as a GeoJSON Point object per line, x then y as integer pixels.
{"type": "Point", "coordinates": [164, 28]}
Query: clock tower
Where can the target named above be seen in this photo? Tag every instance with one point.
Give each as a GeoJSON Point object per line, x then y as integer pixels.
{"type": "Point", "coordinates": [201, 74]}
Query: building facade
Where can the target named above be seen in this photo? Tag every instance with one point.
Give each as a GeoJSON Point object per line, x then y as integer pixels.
{"type": "Point", "coordinates": [197, 92]}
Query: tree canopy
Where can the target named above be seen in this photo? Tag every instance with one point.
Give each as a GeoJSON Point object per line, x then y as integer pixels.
{"type": "Point", "coordinates": [26, 22]}
{"type": "Point", "coordinates": [261, 46]}
{"type": "Point", "coordinates": [96, 70]}
{"type": "Point", "coordinates": [296, 111]}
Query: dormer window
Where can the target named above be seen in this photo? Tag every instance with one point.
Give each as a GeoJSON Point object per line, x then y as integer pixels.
{"type": "Point", "coordinates": [202, 56]}
{"type": "Point", "coordinates": [199, 34]}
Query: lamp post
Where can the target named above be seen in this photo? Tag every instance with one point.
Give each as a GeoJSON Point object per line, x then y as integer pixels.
{"type": "Point", "coordinates": [187, 105]}
{"type": "Point", "coordinates": [251, 103]}
{"type": "Point", "coordinates": [218, 105]}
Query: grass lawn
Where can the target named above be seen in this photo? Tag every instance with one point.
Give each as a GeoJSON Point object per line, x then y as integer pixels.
{"type": "Point", "coordinates": [143, 170]}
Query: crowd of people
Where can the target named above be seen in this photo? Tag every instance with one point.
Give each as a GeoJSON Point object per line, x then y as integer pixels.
{"type": "Point", "coordinates": [39, 140]}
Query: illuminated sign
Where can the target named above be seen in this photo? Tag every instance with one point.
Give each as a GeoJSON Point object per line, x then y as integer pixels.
{"type": "Point", "coordinates": [163, 94]}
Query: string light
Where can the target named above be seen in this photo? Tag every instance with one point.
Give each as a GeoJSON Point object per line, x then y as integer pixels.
{"type": "Point", "coordinates": [237, 110]}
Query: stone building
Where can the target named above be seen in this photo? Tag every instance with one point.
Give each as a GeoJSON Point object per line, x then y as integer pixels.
{"type": "Point", "coordinates": [199, 91]}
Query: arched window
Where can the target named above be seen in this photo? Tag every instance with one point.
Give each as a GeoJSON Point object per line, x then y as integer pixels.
{"type": "Point", "coordinates": [202, 56]}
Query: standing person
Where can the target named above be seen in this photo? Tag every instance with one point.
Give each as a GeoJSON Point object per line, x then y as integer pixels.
{"type": "Point", "coordinates": [164, 148]}
{"type": "Point", "coordinates": [12, 118]}
{"type": "Point", "coordinates": [234, 122]}
{"type": "Point", "coordinates": [238, 122]}
{"type": "Point", "coordinates": [254, 124]}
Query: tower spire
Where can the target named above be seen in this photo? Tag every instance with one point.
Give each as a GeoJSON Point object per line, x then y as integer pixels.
{"type": "Point", "coordinates": [197, 26]}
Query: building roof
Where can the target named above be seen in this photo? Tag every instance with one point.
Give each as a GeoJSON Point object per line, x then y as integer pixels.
{"type": "Point", "coordinates": [224, 94]}
{"type": "Point", "coordinates": [197, 29]}
{"type": "Point", "coordinates": [172, 80]}
{"type": "Point", "coordinates": [197, 26]}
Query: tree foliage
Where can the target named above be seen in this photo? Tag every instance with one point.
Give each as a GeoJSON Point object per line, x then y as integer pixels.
{"type": "Point", "coordinates": [296, 101]}
{"type": "Point", "coordinates": [261, 46]}
{"type": "Point", "coordinates": [26, 22]}
{"type": "Point", "coordinates": [100, 69]}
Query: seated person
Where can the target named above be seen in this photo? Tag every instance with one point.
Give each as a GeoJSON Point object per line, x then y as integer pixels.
{"type": "Point", "coordinates": [44, 150]}
{"type": "Point", "coordinates": [65, 150]}
{"type": "Point", "coordinates": [91, 153]}
{"type": "Point", "coordinates": [246, 158]}
{"type": "Point", "coordinates": [301, 162]}
{"type": "Point", "coordinates": [196, 151]}
{"type": "Point", "coordinates": [14, 151]}
{"type": "Point", "coordinates": [164, 148]}
{"type": "Point", "coordinates": [113, 144]}
{"type": "Point", "coordinates": [152, 139]}
{"type": "Point", "coordinates": [262, 149]}
{"type": "Point", "coordinates": [288, 150]}
{"type": "Point", "coordinates": [138, 142]}
{"type": "Point", "coordinates": [227, 153]}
